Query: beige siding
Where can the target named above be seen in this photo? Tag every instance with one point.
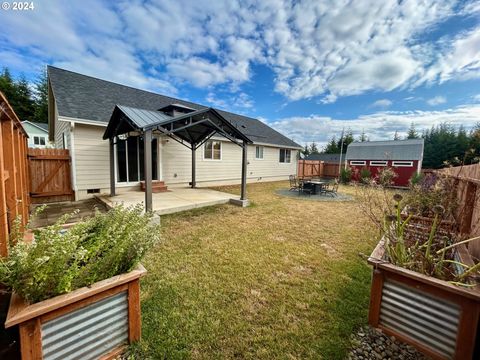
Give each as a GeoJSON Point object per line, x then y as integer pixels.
{"type": "Point", "coordinates": [92, 163]}
{"type": "Point", "coordinates": [60, 128]}
{"type": "Point", "coordinates": [177, 165]}
{"type": "Point", "coordinates": [91, 158]}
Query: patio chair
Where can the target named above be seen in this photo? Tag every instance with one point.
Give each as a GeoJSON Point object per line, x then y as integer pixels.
{"type": "Point", "coordinates": [305, 188]}
{"type": "Point", "coordinates": [293, 183]}
{"type": "Point", "coordinates": [333, 190]}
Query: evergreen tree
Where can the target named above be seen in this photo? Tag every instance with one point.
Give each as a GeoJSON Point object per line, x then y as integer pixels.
{"type": "Point", "coordinates": [347, 140]}
{"type": "Point", "coordinates": [7, 86]}
{"type": "Point", "coordinates": [363, 137]}
{"type": "Point", "coordinates": [332, 147]}
{"type": "Point", "coordinates": [41, 98]}
{"type": "Point", "coordinates": [24, 106]}
{"type": "Point", "coordinates": [396, 136]}
{"type": "Point", "coordinates": [306, 150]}
{"type": "Point", "coordinates": [314, 148]}
{"type": "Point", "coordinates": [412, 132]}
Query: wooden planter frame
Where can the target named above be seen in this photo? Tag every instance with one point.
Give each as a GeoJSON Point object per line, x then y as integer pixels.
{"type": "Point", "coordinates": [468, 300]}
{"type": "Point", "coordinates": [30, 318]}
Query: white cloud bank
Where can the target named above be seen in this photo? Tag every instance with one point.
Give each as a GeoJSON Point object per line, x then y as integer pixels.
{"type": "Point", "coordinates": [315, 48]}
{"type": "Point", "coordinates": [377, 126]}
{"type": "Point", "coordinates": [437, 100]}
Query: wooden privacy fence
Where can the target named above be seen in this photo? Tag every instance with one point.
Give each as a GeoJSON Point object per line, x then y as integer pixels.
{"type": "Point", "coordinates": [317, 168]}
{"type": "Point", "coordinates": [14, 200]}
{"type": "Point", "coordinates": [50, 179]}
{"type": "Point", "coordinates": [467, 181]}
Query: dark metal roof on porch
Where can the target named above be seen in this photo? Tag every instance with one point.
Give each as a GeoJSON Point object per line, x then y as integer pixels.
{"type": "Point", "coordinates": [193, 128]}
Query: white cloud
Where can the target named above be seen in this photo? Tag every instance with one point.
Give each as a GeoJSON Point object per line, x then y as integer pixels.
{"type": "Point", "coordinates": [240, 102]}
{"type": "Point", "coordinates": [377, 126]}
{"type": "Point", "coordinates": [437, 100]}
{"type": "Point", "coordinates": [476, 98]}
{"type": "Point", "coordinates": [382, 103]}
{"type": "Point", "coordinates": [318, 49]}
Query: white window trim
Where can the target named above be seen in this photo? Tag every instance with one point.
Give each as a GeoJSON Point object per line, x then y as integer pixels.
{"type": "Point", "coordinates": [221, 151]}
{"type": "Point", "coordinates": [357, 162]}
{"type": "Point", "coordinates": [284, 162]}
{"type": "Point", "coordinates": [263, 152]}
{"type": "Point", "coordinates": [402, 163]}
{"type": "Point", "coordinates": [378, 163]}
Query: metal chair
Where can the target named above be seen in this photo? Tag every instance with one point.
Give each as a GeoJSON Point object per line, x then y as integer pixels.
{"type": "Point", "coordinates": [305, 188]}
{"type": "Point", "coordinates": [333, 190]}
{"type": "Point", "coordinates": [293, 183]}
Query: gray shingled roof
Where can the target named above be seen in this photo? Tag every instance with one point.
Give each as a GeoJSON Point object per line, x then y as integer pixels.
{"type": "Point", "coordinates": [411, 149]}
{"type": "Point", "coordinates": [85, 97]}
{"type": "Point", "coordinates": [335, 158]}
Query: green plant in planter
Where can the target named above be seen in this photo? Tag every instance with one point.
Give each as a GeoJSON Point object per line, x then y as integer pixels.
{"type": "Point", "coordinates": [431, 255]}
{"type": "Point", "coordinates": [59, 261]}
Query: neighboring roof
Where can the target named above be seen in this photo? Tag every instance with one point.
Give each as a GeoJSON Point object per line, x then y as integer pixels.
{"type": "Point", "coordinates": [194, 127]}
{"type": "Point", "coordinates": [335, 158]}
{"type": "Point", "coordinates": [85, 97]}
{"type": "Point", "coordinates": [41, 126]}
{"type": "Point", "coordinates": [411, 149]}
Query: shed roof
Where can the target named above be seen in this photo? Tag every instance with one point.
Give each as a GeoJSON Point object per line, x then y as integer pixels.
{"type": "Point", "coordinates": [411, 149]}
{"type": "Point", "coordinates": [85, 97]}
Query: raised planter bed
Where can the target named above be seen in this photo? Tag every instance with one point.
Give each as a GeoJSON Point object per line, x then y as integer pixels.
{"type": "Point", "coordinates": [438, 318]}
{"type": "Point", "coordinates": [95, 322]}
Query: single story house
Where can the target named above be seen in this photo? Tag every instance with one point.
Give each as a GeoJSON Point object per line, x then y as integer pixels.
{"type": "Point", "coordinates": [403, 156]}
{"type": "Point", "coordinates": [37, 134]}
{"type": "Point", "coordinates": [81, 107]}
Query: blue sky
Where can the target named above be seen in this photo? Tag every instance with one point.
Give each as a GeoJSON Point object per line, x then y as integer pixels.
{"type": "Point", "coordinates": [308, 68]}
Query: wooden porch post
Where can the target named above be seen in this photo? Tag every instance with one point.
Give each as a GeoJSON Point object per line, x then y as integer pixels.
{"type": "Point", "coordinates": [112, 167]}
{"type": "Point", "coordinates": [244, 171]}
{"type": "Point", "coordinates": [147, 142]}
{"type": "Point", "coordinates": [194, 180]}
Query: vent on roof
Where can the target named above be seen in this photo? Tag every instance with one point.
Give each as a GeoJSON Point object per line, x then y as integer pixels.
{"type": "Point", "coordinates": [176, 109]}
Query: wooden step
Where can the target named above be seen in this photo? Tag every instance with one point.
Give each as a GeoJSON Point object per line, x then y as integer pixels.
{"type": "Point", "coordinates": [157, 186]}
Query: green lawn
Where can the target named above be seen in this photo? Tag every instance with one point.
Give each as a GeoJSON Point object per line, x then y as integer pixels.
{"type": "Point", "coordinates": [281, 279]}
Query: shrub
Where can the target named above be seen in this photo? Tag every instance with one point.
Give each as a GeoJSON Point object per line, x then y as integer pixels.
{"type": "Point", "coordinates": [59, 261]}
{"type": "Point", "coordinates": [346, 175]}
{"type": "Point", "coordinates": [386, 176]}
{"type": "Point", "coordinates": [365, 175]}
{"type": "Point", "coordinates": [415, 179]}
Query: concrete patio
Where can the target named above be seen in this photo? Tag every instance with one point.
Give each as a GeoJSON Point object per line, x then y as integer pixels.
{"type": "Point", "coordinates": [172, 201]}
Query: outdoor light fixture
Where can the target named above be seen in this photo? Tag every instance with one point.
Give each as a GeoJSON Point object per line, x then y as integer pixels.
{"type": "Point", "coordinates": [123, 136]}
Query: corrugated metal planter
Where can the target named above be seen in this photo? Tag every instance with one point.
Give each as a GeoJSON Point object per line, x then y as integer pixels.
{"type": "Point", "coordinates": [95, 322]}
{"type": "Point", "coordinates": [438, 318]}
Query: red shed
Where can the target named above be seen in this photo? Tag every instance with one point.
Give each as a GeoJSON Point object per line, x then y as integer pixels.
{"type": "Point", "coordinates": [403, 156]}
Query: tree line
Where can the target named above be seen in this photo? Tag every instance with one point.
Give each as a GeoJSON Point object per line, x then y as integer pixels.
{"type": "Point", "coordinates": [29, 101]}
{"type": "Point", "coordinates": [445, 144]}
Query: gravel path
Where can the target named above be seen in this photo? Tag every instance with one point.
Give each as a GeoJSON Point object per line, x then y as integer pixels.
{"type": "Point", "coordinates": [371, 344]}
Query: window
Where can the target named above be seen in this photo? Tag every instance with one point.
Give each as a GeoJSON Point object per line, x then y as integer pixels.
{"type": "Point", "coordinates": [212, 150]}
{"type": "Point", "coordinates": [64, 140]}
{"type": "Point", "coordinates": [130, 159]}
{"type": "Point", "coordinates": [285, 155]}
{"type": "Point", "coordinates": [402, 163]}
{"type": "Point", "coordinates": [378, 163]}
{"type": "Point", "coordinates": [358, 162]}
{"type": "Point", "coordinates": [259, 152]}
{"type": "Point", "coordinates": [39, 140]}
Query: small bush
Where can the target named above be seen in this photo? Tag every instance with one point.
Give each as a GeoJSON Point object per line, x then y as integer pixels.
{"type": "Point", "coordinates": [415, 179]}
{"type": "Point", "coordinates": [365, 175]}
{"type": "Point", "coordinates": [386, 176]}
{"type": "Point", "coordinates": [346, 175]}
{"type": "Point", "coordinates": [60, 261]}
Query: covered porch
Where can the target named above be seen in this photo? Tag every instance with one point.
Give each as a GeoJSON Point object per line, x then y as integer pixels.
{"type": "Point", "coordinates": [172, 201]}
{"type": "Point", "coordinates": [191, 128]}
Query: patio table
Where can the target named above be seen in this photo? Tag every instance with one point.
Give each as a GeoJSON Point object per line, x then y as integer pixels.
{"type": "Point", "coordinates": [317, 186]}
